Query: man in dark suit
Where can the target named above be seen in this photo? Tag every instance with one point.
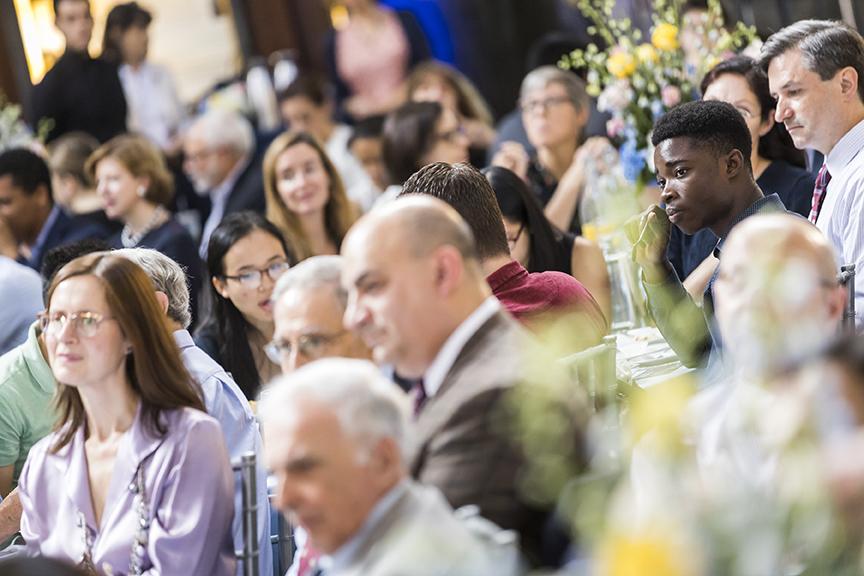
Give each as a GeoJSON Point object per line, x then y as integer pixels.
{"type": "Point", "coordinates": [419, 298]}
{"type": "Point", "coordinates": [80, 93]}
{"type": "Point", "coordinates": [28, 209]}
{"type": "Point", "coordinates": [221, 162]}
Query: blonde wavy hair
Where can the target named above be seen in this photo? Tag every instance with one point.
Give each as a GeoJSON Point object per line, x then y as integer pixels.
{"type": "Point", "coordinates": [339, 212]}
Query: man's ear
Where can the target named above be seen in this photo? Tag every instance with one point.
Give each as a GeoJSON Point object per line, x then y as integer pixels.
{"type": "Point", "coordinates": [42, 195]}
{"type": "Point", "coordinates": [849, 82]}
{"type": "Point", "coordinates": [734, 163]}
{"type": "Point", "coordinates": [449, 269]}
{"type": "Point", "coordinates": [163, 300]}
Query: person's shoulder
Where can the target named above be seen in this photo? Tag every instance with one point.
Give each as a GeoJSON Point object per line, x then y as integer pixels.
{"type": "Point", "coordinates": [16, 278]}
{"type": "Point", "coordinates": [13, 368]}
{"type": "Point", "coordinates": [189, 425]}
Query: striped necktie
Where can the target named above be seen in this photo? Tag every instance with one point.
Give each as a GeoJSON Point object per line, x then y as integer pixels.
{"type": "Point", "coordinates": [819, 190]}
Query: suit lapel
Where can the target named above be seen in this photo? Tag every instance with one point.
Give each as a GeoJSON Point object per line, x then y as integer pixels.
{"type": "Point", "coordinates": [437, 409]}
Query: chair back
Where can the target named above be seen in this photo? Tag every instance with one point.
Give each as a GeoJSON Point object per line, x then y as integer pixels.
{"type": "Point", "coordinates": [248, 556]}
{"type": "Point", "coordinates": [847, 279]}
{"type": "Point", "coordinates": [593, 370]}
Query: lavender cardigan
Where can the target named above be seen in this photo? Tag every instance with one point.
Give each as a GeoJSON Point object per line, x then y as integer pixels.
{"type": "Point", "coordinates": [189, 491]}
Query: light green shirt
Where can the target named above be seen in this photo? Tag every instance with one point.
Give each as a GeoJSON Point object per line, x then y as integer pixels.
{"type": "Point", "coordinates": [26, 410]}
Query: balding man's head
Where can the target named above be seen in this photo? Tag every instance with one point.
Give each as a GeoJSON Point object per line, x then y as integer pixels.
{"type": "Point", "coordinates": [776, 293]}
{"type": "Point", "coordinates": [413, 275]}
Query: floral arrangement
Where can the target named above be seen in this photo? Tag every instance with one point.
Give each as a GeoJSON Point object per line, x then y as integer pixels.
{"type": "Point", "coordinates": [637, 80]}
{"type": "Point", "coordinates": [14, 133]}
{"type": "Point", "coordinates": [654, 501]}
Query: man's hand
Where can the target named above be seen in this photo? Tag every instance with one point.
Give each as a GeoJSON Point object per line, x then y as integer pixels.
{"type": "Point", "coordinates": [649, 233]}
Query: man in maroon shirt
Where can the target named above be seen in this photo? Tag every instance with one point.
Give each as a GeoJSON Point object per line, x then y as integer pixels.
{"type": "Point", "coordinates": [542, 301]}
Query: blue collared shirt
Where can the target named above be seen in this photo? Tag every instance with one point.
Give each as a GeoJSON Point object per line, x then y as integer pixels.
{"type": "Point", "coordinates": [227, 404]}
{"type": "Point", "coordinates": [345, 554]}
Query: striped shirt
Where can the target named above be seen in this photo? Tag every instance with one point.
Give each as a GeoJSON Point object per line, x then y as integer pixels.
{"type": "Point", "coordinates": [842, 216]}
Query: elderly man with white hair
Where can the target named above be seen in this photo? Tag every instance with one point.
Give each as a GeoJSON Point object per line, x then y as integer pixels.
{"type": "Point", "coordinates": [221, 162]}
{"type": "Point", "coordinates": [222, 397]}
{"type": "Point", "coordinates": [336, 439]}
{"type": "Point", "coordinates": [309, 303]}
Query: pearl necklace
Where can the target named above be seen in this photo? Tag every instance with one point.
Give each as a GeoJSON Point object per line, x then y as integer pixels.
{"type": "Point", "coordinates": [130, 240]}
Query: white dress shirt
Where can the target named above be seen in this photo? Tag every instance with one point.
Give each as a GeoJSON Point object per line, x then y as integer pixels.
{"type": "Point", "coordinates": [358, 186]}
{"type": "Point", "coordinates": [842, 216]}
{"type": "Point", "coordinates": [155, 109]}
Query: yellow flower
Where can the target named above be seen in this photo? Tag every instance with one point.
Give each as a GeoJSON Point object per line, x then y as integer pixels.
{"type": "Point", "coordinates": [621, 64]}
{"type": "Point", "coordinates": [665, 37]}
{"type": "Point", "coordinates": [641, 554]}
{"type": "Point", "coordinates": [658, 410]}
{"type": "Point", "coordinates": [646, 53]}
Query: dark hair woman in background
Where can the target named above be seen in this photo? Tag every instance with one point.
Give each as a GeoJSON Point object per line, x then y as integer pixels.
{"type": "Point", "coordinates": [245, 257]}
{"type": "Point", "coordinates": [540, 246]}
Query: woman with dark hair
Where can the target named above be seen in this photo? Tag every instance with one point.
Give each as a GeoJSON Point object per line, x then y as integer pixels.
{"type": "Point", "coordinates": [245, 257]}
{"type": "Point", "coordinates": [155, 109]}
{"type": "Point", "coordinates": [305, 196]}
{"type": "Point", "coordinates": [135, 478]}
{"type": "Point", "coordinates": [778, 166]}
{"type": "Point", "coordinates": [540, 246]}
{"type": "Point", "coordinates": [417, 134]}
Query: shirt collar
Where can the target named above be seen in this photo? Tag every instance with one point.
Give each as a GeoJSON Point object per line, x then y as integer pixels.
{"type": "Point", "coordinates": [770, 203]}
{"type": "Point", "coordinates": [505, 274]}
{"type": "Point", "coordinates": [36, 363]}
{"type": "Point", "coordinates": [348, 551]}
{"type": "Point", "coordinates": [448, 353]}
{"type": "Point", "coordinates": [846, 149]}
{"type": "Point", "coordinates": [183, 339]}
{"type": "Point", "coordinates": [46, 228]}
{"type": "Point", "coordinates": [220, 193]}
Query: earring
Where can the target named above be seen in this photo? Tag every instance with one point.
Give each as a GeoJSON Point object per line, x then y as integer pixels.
{"type": "Point", "coordinates": [142, 191]}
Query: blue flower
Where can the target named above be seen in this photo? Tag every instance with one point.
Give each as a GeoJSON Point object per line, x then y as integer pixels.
{"type": "Point", "coordinates": [632, 160]}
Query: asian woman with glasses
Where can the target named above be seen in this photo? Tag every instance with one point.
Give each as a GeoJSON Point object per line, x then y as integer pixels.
{"type": "Point", "coordinates": [245, 257]}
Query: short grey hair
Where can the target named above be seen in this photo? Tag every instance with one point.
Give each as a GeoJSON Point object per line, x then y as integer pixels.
{"type": "Point", "coordinates": [369, 407]}
{"type": "Point", "coordinates": [545, 75]}
{"type": "Point", "coordinates": [313, 274]}
{"type": "Point", "coordinates": [827, 46]}
{"type": "Point", "coordinates": [224, 129]}
{"type": "Point", "coordinates": [167, 277]}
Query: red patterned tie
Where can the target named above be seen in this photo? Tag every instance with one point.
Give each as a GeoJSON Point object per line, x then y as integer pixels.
{"type": "Point", "coordinates": [819, 192]}
{"type": "Point", "coordinates": [308, 561]}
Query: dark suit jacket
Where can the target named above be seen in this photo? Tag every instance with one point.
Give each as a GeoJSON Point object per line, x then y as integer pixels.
{"type": "Point", "coordinates": [460, 444]}
{"type": "Point", "coordinates": [248, 191]}
{"type": "Point", "coordinates": [65, 230]}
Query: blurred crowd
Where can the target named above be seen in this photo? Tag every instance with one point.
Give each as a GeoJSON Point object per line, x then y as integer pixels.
{"type": "Point", "coordinates": [393, 301]}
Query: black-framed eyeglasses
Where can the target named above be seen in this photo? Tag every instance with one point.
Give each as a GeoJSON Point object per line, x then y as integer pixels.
{"type": "Point", "coordinates": [452, 135]}
{"type": "Point", "coordinates": [543, 104]}
{"type": "Point", "coordinates": [515, 239]}
{"type": "Point", "coordinates": [85, 323]}
{"type": "Point", "coordinates": [309, 345]}
{"type": "Point", "coordinates": [252, 278]}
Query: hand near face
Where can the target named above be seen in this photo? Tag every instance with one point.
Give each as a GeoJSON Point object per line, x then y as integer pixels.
{"type": "Point", "coordinates": [513, 157]}
{"type": "Point", "coordinates": [649, 233]}
{"type": "Point", "coordinates": [594, 151]}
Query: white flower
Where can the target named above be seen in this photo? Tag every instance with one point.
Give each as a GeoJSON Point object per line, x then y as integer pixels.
{"type": "Point", "coordinates": [615, 97]}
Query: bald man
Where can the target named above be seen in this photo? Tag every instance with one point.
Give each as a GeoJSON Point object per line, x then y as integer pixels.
{"type": "Point", "coordinates": [781, 302]}
{"type": "Point", "coordinates": [419, 299]}
{"type": "Point", "coordinates": [774, 306]}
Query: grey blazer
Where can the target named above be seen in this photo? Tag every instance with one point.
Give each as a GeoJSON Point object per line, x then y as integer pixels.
{"type": "Point", "coordinates": [422, 536]}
